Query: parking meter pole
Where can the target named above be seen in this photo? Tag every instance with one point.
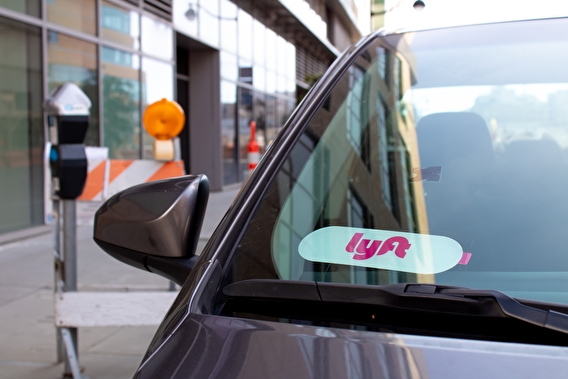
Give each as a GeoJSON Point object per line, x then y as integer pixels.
{"type": "Point", "coordinates": [70, 269]}
{"type": "Point", "coordinates": [57, 277]}
{"type": "Point", "coordinates": [68, 109]}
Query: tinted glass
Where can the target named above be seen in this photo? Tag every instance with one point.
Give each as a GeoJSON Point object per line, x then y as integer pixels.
{"type": "Point", "coordinates": [120, 25]}
{"type": "Point", "coordinates": [73, 60]}
{"type": "Point", "coordinates": [21, 126]}
{"type": "Point", "coordinates": [79, 15]}
{"type": "Point", "coordinates": [121, 103]}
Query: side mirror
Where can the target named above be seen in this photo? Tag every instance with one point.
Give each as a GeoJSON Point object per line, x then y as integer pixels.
{"type": "Point", "coordinates": [155, 226]}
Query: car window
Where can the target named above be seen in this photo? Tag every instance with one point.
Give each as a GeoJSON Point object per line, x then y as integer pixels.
{"type": "Point", "coordinates": [439, 157]}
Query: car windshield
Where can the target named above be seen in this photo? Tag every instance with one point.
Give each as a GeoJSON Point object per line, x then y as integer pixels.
{"type": "Point", "coordinates": [440, 157]}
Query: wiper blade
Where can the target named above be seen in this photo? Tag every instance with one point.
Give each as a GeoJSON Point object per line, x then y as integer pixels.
{"type": "Point", "coordinates": [426, 297]}
{"type": "Point", "coordinates": [549, 319]}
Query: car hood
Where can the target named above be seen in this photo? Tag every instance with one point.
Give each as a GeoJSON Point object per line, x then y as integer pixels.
{"type": "Point", "coordinates": [222, 347]}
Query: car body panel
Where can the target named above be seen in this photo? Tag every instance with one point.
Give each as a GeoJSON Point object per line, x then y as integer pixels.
{"type": "Point", "coordinates": [225, 347]}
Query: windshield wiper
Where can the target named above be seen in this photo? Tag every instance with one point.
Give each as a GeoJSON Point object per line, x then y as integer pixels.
{"type": "Point", "coordinates": [429, 298]}
{"type": "Point", "coordinates": [549, 319]}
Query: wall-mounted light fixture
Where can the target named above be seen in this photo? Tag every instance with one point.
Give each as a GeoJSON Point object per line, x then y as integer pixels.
{"type": "Point", "coordinates": [419, 5]}
{"type": "Point", "coordinates": [193, 12]}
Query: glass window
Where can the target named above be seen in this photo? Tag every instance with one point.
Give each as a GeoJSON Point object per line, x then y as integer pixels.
{"type": "Point", "coordinates": [157, 38]}
{"type": "Point", "coordinates": [259, 116]}
{"type": "Point", "coordinates": [271, 127]}
{"type": "Point", "coordinates": [73, 60]}
{"type": "Point", "coordinates": [229, 132]}
{"type": "Point", "coordinates": [120, 25]}
{"type": "Point", "coordinates": [271, 46]}
{"type": "Point", "coordinates": [79, 15]}
{"type": "Point", "coordinates": [121, 103]}
{"type": "Point", "coordinates": [229, 69]}
{"type": "Point", "coordinates": [245, 116]}
{"type": "Point", "coordinates": [259, 42]}
{"type": "Point", "coordinates": [245, 35]}
{"type": "Point", "coordinates": [270, 82]}
{"type": "Point", "coordinates": [29, 7]}
{"type": "Point", "coordinates": [290, 61]}
{"type": "Point", "coordinates": [259, 77]}
{"type": "Point", "coordinates": [229, 26]}
{"type": "Point", "coordinates": [157, 83]}
{"type": "Point", "coordinates": [21, 127]}
{"type": "Point", "coordinates": [281, 52]}
{"type": "Point", "coordinates": [208, 13]}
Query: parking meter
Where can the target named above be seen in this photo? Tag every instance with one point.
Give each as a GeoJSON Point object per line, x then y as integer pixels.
{"type": "Point", "coordinates": [68, 109]}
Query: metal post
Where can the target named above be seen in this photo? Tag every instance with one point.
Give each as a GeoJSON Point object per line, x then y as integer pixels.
{"type": "Point", "coordinates": [56, 234]}
{"type": "Point", "coordinates": [70, 268]}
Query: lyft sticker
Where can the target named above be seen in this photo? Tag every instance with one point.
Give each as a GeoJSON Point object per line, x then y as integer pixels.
{"type": "Point", "coordinates": [390, 250]}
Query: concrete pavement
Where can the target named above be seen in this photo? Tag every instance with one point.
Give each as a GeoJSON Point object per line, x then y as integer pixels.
{"type": "Point", "coordinates": [27, 332]}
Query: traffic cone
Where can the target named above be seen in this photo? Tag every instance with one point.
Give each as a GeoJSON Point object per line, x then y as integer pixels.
{"type": "Point", "coordinates": [253, 151]}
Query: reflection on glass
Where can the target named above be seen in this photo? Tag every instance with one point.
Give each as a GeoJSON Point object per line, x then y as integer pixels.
{"type": "Point", "coordinates": [271, 46]}
{"type": "Point", "coordinates": [259, 42]}
{"type": "Point", "coordinates": [271, 125]}
{"type": "Point", "coordinates": [29, 7]}
{"type": "Point", "coordinates": [245, 35]}
{"type": "Point", "coordinates": [245, 116]}
{"type": "Point", "coordinates": [270, 82]}
{"type": "Point", "coordinates": [79, 15]}
{"type": "Point", "coordinates": [259, 116]}
{"type": "Point", "coordinates": [157, 83]}
{"type": "Point", "coordinates": [245, 71]}
{"type": "Point", "coordinates": [73, 60]}
{"type": "Point", "coordinates": [281, 84]}
{"type": "Point", "coordinates": [229, 69]}
{"type": "Point", "coordinates": [120, 25]}
{"type": "Point", "coordinates": [228, 132]}
{"type": "Point", "coordinates": [157, 38]}
{"type": "Point", "coordinates": [281, 55]}
{"type": "Point", "coordinates": [228, 26]}
{"type": "Point", "coordinates": [21, 127]}
{"type": "Point", "coordinates": [208, 18]}
{"type": "Point", "coordinates": [121, 103]}
{"type": "Point", "coordinates": [290, 61]}
{"type": "Point", "coordinates": [259, 77]}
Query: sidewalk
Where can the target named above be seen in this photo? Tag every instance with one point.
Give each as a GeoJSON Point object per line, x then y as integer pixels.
{"type": "Point", "coordinates": [27, 332]}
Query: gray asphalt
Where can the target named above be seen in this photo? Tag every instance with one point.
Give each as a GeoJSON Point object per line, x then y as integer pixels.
{"type": "Point", "coordinates": [27, 332]}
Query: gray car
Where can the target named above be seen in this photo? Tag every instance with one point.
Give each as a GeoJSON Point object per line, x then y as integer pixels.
{"type": "Point", "coordinates": [409, 221]}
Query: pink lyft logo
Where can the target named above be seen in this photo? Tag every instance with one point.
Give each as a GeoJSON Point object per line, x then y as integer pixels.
{"type": "Point", "coordinates": [392, 250]}
{"type": "Point", "coordinates": [365, 248]}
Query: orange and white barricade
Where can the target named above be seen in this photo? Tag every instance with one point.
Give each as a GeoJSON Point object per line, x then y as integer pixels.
{"type": "Point", "coordinates": [107, 177]}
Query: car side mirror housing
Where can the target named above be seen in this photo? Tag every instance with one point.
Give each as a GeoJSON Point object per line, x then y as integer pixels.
{"type": "Point", "coordinates": [155, 226]}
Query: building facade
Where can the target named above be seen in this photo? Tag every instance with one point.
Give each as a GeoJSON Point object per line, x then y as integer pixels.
{"type": "Point", "coordinates": [226, 62]}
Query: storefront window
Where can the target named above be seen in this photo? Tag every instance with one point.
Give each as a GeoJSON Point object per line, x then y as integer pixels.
{"type": "Point", "coordinates": [72, 60]}
{"type": "Point", "coordinates": [79, 15]}
{"type": "Point", "coordinates": [21, 130]}
{"type": "Point", "coordinates": [120, 25]}
{"type": "Point", "coordinates": [157, 38]}
{"type": "Point", "coordinates": [121, 103]}
{"type": "Point", "coordinates": [157, 83]}
{"type": "Point", "coordinates": [229, 132]}
{"type": "Point", "coordinates": [245, 116]}
{"type": "Point", "coordinates": [29, 7]}
{"type": "Point", "coordinates": [245, 35]}
{"type": "Point", "coordinates": [228, 26]}
{"type": "Point", "coordinates": [259, 42]}
{"type": "Point", "coordinates": [271, 46]}
{"type": "Point", "coordinates": [229, 69]}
